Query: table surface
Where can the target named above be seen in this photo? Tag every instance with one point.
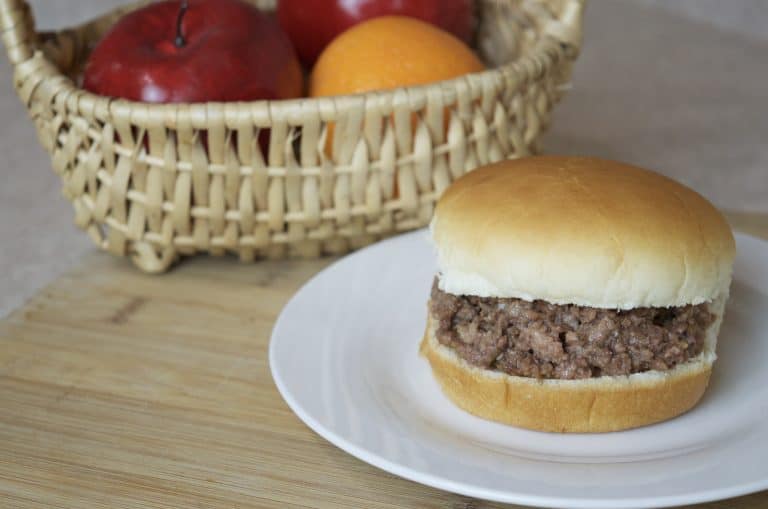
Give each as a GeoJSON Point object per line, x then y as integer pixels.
{"type": "Point", "coordinates": [659, 90]}
{"type": "Point", "coordinates": [120, 389]}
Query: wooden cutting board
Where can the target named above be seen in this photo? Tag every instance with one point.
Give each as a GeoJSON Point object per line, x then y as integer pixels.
{"type": "Point", "coordinates": [121, 390]}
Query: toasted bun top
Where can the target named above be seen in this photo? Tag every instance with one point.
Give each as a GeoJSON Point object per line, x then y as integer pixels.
{"type": "Point", "coordinates": [580, 230]}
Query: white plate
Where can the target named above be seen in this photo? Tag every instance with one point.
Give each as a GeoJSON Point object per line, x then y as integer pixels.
{"type": "Point", "coordinates": [344, 356]}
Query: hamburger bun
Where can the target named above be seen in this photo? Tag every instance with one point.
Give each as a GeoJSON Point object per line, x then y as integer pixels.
{"type": "Point", "coordinates": [580, 230]}
{"type": "Point", "coordinates": [588, 232]}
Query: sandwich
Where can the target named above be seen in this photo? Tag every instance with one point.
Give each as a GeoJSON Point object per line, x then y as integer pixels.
{"type": "Point", "coordinates": [575, 294]}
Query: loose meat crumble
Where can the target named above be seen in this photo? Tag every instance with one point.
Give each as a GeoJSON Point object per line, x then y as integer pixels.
{"type": "Point", "coordinates": [542, 340]}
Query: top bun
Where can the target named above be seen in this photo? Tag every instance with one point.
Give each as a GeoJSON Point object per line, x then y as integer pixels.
{"type": "Point", "coordinates": [580, 230]}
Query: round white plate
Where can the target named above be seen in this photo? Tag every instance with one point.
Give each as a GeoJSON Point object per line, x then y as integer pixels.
{"type": "Point", "coordinates": [344, 355]}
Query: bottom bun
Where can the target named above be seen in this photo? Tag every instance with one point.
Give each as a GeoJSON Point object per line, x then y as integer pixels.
{"type": "Point", "coordinates": [607, 403]}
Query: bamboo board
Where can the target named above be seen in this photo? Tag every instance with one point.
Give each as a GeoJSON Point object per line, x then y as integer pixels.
{"type": "Point", "coordinates": [122, 390]}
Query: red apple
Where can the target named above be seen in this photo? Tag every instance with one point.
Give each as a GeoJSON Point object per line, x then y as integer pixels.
{"type": "Point", "coordinates": [312, 24]}
{"type": "Point", "coordinates": [194, 51]}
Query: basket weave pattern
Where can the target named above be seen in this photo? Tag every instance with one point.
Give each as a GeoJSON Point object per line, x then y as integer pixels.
{"type": "Point", "coordinates": [159, 181]}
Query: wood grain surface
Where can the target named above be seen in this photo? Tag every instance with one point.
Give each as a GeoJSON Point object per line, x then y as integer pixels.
{"type": "Point", "coordinates": [122, 390]}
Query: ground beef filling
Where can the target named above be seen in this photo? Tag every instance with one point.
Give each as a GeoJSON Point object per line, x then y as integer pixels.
{"type": "Point", "coordinates": [542, 340]}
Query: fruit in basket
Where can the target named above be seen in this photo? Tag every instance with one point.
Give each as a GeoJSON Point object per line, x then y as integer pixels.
{"type": "Point", "coordinates": [386, 53]}
{"type": "Point", "coordinates": [390, 52]}
{"type": "Point", "coordinates": [312, 24]}
{"type": "Point", "coordinates": [194, 51]}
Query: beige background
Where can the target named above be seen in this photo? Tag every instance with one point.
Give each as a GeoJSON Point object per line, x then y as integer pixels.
{"type": "Point", "coordinates": [675, 85]}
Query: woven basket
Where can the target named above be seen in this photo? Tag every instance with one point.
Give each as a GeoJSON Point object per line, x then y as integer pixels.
{"type": "Point", "coordinates": [144, 184]}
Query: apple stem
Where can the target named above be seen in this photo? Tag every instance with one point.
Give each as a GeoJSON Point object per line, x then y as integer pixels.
{"type": "Point", "coordinates": [180, 42]}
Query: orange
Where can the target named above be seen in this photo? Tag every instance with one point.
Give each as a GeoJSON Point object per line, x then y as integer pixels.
{"type": "Point", "coordinates": [385, 53]}
{"type": "Point", "coordinates": [390, 52]}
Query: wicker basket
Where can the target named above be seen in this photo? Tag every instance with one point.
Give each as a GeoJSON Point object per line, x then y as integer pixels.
{"type": "Point", "coordinates": [144, 184]}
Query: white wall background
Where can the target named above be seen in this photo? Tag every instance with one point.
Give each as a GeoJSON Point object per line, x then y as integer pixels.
{"type": "Point", "coordinates": [749, 17]}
